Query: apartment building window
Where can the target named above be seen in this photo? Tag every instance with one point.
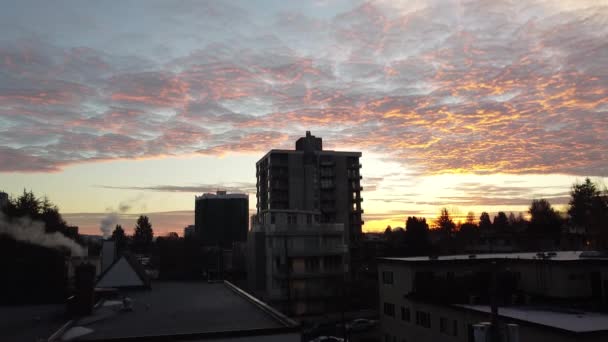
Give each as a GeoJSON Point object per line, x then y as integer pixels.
{"type": "Point", "coordinates": [389, 309]}
{"type": "Point", "coordinates": [312, 264]}
{"type": "Point", "coordinates": [387, 277]}
{"type": "Point", "coordinates": [308, 219]}
{"type": "Point", "coordinates": [443, 325]}
{"type": "Point", "coordinates": [454, 328]}
{"type": "Point", "coordinates": [292, 219]}
{"type": "Point", "coordinates": [405, 314]}
{"type": "Point", "coordinates": [423, 319]}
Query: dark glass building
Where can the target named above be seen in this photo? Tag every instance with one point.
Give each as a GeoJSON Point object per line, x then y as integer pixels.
{"type": "Point", "coordinates": [221, 219]}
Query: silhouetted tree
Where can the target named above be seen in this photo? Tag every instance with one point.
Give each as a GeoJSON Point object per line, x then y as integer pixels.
{"type": "Point", "coordinates": [387, 233]}
{"type": "Point", "coordinates": [589, 209]}
{"type": "Point", "coordinates": [501, 222]}
{"type": "Point", "coordinates": [470, 218]}
{"type": "Point", "coordinates": [417, 236]}
{"type": "Point", "coordinates": [28, 205]}
{"type": "Point", "coordinates": [484, 222]}
{"type": "Point", "coordinates": [120, 238]}
{"type": "Point", "coordinates": [172, 235]}
{"type": "Point", "coordinates": [445, 223]}
{"type": "Point", "coordinates": [142, 238]}
{"type": "Point", "coordinates": [544, 219]}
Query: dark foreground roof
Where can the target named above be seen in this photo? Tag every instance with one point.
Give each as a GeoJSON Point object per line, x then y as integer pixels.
{"type": "Point", "coordinates": [31, 322]}
{"type": "Point", "coordinates": [185, 311]}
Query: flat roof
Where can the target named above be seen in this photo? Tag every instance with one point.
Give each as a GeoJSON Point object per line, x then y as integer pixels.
{"type": "Point", "coordinates": [222, 196]}
{"type": "Point", "coordinates": [570, 320]}
{"type": "Point", "coordinates": [182, 308]}
{"type": "Point", "coordinates": [30, 322]}
{"type": "Point", "coordinates": [554, 256]}
{"type": "Point", "coordinates": [328, 152]}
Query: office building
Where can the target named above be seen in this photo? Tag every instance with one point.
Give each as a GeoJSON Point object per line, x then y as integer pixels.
{"type": "Point", "coordinates": [295, 263]}
{"type": "Point", "coordinates": [315, 180]}
{"type": "Point", "coordinates": [221, 219]}
{"type": "Point", "coordinates": [556, 296]}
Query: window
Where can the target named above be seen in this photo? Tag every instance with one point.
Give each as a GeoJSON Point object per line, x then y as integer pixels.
{"type": "Point", "coordinates": [405, 314]}
{"type": "Point", "coordinates": [272, 219]}
{"type": "Point", "coordinates": [423, 319]}
{"type": "Point", "coordinates": [455, 328]}
{"type": "Point", "coordinates": [387, 277]}
{"type": "Point", "coordinates": [309, 219]}
{"type": "Point", "coordinates": [292, 219]}
{"type": "Point", "coordinates": [389, 309]}
{"type": "Point", "coordinates": [312, 264]}
{"type": "Point", "coordinates": [443, 325]}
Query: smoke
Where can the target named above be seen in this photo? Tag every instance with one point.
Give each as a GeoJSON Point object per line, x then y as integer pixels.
{"type": "Point", "coordinates": [26, 230]}
{"type": "Point", "coordinates": [108, 222]}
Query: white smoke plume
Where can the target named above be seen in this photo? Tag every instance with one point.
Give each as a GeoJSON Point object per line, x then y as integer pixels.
{"type": "Point", "coordinates": [107, 224]}
{"type": "Point", "coordinates": [26, 230]}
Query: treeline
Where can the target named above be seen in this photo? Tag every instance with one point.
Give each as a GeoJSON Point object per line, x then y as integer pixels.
{"type": "Point", "coordinates": [586, 218]}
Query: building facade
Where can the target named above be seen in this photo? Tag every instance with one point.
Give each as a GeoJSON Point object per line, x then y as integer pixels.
{"type": "Point", "coordinates": [559, 296]}
{"type": "Point", "coordinates": [296, 263]}
{"type": "Point", "coordinates": [221, 219]}
{"type": "Point", "coordinates": [312, 179]}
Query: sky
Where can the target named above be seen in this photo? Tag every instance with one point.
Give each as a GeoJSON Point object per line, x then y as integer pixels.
{"type": "Point", "coordinates": [135, 107]}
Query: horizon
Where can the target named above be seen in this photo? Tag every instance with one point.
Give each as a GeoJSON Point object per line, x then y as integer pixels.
{"type": "Point", "coordinates": [468, 105]}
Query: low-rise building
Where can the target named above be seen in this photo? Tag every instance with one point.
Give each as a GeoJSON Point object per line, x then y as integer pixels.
{"type": "Point", "coordinates": [558, 296]}
{"type": "Point", "coordinates": [296, 263]}
{"type": "Point", "coordinates": [190, 311]}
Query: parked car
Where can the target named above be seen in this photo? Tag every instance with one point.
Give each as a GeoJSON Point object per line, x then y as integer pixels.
{"type": "Point", "coordinates": [327, 339]}
{"type": "Point", "coordinates": [361, 324]}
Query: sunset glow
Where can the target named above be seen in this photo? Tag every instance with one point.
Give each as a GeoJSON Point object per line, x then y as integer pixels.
{"type": "Point", "coordinates": [470, 105]}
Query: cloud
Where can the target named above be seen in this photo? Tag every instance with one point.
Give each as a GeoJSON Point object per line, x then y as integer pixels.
{"type": "Point", "coordinates": [200, 188]}
{"type": "Point", "coordinates": [437, 86]}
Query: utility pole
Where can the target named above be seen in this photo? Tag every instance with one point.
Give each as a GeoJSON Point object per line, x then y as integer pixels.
{"type": "Point", "coordinates": [287, 275]}
{"type": "Point", "coordinates": [495, 330]}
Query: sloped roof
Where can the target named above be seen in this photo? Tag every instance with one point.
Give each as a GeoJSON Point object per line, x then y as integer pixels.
{"type": "Point", "coordinates": [124, 272]}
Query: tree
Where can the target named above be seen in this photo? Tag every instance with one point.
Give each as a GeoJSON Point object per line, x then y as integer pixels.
{"type": "Point", "coordinates": [120, 238]}
{"type": "Point", "coordinates": [544, 219]}
{"type": "Point", "coordinates": [470, 218]}
{"type": "Point", "coordinates": [417, 236]}
{"type": "Point", "coordinates": [484, 222]}
{"type": "Point", "coordinates": [142, 238]}
{"type": "Point", "coordinates": [445, 223]}
{"type": "Point", "coordinates": [501, 222]}
{"type": "Point", "coordinates": [588, 207]}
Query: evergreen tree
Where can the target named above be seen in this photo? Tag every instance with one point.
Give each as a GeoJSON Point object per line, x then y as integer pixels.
{"type": "Point", "coordinates": [142, 238]}
{"type": "Point", "coordinates": [120, 238]}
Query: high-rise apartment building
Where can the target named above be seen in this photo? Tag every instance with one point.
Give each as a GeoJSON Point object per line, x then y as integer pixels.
{"type": "Point", "coordinates": [221, 219]}
{"type": "Point", "coordinates": [315, 180]}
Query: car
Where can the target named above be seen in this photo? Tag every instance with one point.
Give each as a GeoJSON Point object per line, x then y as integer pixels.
{"type": "Point", "coordinates": [361, 324]}
{"type": "Point", "coordinates": [327, 339]}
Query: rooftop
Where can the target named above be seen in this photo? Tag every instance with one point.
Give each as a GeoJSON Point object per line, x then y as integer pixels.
{"type": "Point", "coordinates": [222, 195]}
{"type": "Point", "coordinates": [573, 320]}
{"type": "Point", "coordinates": [174, 309]}
{"type": "Point", "coordinates": [555, 256]}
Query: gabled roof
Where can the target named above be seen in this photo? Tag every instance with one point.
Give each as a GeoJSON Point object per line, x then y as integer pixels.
{"type": "Point", "coordinates": [125, 272]}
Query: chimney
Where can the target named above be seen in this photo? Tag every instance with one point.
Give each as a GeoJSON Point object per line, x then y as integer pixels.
{"type": "Point", "coordinates": [84, 297]}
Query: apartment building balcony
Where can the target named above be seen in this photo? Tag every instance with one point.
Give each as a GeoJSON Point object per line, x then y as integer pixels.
{"type": "Point", "coordinates": [309, 274]}
{"type": "Point", "coordinates": [307, 251]}
{"type": "Point", "coordinates": [291, 230]}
